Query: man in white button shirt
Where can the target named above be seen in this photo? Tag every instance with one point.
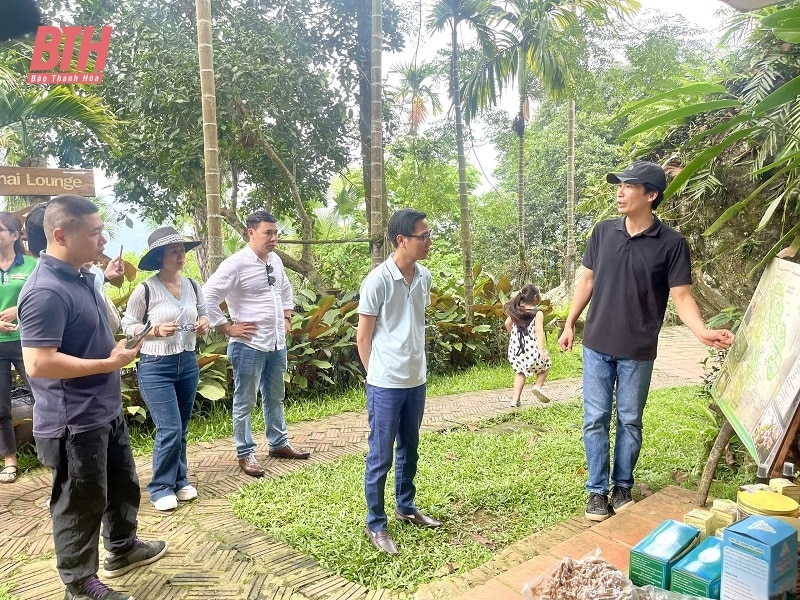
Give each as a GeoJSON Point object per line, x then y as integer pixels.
{"type": "Point", "coordinates": [259, 296]}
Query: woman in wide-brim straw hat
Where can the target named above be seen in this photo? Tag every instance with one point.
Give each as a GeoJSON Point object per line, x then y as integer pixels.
{"type": "Point", "coordinates": [168, 372]}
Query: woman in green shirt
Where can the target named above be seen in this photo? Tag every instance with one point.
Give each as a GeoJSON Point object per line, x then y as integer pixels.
{"type": "Point", "coordinates": [15, 267]}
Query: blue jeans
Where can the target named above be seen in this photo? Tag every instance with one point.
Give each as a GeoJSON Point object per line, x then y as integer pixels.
{"type": "Point", "coordinates": [255, 370]}
{"type": "Point", "coordinates": [168, 385]}
{"type": "Point", "coordinates": [392, 414]}
{"type": "Point", "coordinates": [632, 378]}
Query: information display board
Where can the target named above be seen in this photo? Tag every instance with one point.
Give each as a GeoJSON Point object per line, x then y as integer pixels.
{"type": "Point", "coordinates": [758, 387]}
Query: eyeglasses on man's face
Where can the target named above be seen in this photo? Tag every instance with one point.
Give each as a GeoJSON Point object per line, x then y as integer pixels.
{"type": "Point", "coordinates": [424, 237]}
{"type": "Point", "coordinates": [270, 277]}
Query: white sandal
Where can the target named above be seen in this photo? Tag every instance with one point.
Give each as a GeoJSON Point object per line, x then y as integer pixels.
{"type": "Point", "coordinates": [9, 474]}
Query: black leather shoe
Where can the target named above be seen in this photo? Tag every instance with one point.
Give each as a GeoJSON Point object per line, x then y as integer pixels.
{"type": "Point", "coordinates": [288, 452]}
{"type": "Point", "coordinates": [381, 540]}
{"type": "Point", "coordinates": [417, 518]}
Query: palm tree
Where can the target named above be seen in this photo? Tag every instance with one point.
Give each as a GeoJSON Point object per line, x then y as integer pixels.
{"type": "Point", "coordinates": [418, 93]}
{"type": "Point", "coordinates": [25, 108]}
{"type": "Point", "coordinates": [473, 13]}
{"type": "Point", "coordinates": [538, 39]}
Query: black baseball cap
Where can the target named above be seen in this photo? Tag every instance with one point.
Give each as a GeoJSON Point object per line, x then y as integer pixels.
{"type": "Point", "coordinates": [641, 171]}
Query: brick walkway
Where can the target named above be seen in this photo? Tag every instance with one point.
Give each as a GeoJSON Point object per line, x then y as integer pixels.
{"type": "Point", "coordinates": [213, 554]}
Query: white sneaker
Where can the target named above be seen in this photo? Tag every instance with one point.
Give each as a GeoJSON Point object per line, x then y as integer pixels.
{"type": "Point", "coordinates": [515, 403]}
{"type": "Point", "coordinates": [540, 395]}
{"type": "Point", "coordinates": [186, 493]}
{"type": "Point", "coordinates": [166, 503]}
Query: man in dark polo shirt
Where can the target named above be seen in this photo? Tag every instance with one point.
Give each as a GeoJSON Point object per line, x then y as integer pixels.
{"type": "Point", "coordinates": [73, 368]}
{"type": "Point", "coordinates": [632, 265]}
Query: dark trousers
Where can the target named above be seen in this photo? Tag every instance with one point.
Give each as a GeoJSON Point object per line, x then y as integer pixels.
{"type": "Point", "coordinates": [394, 415]}
{"type": "Point", "coordinates": [94, 482]}
{"type": "Point", "coordinates": [10, 353]}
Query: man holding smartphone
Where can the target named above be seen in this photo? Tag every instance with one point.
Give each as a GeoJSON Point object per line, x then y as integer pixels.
{"type": "Point", "coordinates": [73, 369]}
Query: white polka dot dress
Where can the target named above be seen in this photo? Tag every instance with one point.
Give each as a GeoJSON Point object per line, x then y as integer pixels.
{"type": "Point", "coordinates": [523, 351]}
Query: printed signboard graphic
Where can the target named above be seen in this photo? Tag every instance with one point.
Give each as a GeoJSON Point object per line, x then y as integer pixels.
{"type": "Point", "coordinates": [758, 387]}
{"type": "Point", "coordinates": [55, 48]}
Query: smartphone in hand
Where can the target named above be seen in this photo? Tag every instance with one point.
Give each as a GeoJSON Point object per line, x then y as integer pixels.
{"type": "Point", "coordinates": [131, 343]}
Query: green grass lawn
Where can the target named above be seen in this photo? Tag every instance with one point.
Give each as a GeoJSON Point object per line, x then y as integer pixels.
{"type": "Point", "coordinates": [509, 478]}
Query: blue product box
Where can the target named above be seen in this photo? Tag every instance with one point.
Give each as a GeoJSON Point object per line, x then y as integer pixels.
{"type": "Point", "coordinates": [759, 560]}
{"type": "Point", "coordinates": [652, 558]}
{"type": "Point", "coordinates": [699, 572]}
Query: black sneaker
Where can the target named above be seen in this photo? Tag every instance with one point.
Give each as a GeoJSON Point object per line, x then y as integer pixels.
{"type": "Point", "coordinates": [92, 588]}
{"type": "Point", "coordinates": [597, 508]}
{"type": "Point", "coordinates": [621, 498]}
{"type": "Point", "coordinates": [142, 553]}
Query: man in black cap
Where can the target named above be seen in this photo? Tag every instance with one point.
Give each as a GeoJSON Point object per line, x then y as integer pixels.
{"type": "Point", "coordinates": [632, 266]}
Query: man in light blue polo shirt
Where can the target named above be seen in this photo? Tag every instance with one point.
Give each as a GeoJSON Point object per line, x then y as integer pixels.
{"type": "Point", "coordinates": [391, 344]}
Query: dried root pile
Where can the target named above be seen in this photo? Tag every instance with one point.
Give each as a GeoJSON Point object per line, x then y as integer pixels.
{"type": "Point", "coordinates": [590, 578]}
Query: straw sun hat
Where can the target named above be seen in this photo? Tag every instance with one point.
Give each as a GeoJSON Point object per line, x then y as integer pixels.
{"type": "Point", "coordinates": [158, 240]}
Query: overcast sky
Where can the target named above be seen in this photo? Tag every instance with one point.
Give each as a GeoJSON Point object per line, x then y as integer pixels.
{"type": "Point", "coordinates": [701, 12]}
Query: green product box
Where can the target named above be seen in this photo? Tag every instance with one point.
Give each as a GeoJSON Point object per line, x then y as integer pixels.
{"type": "Point", "coordinates": [759, 560]}
{"type": "Point", "coordinates": [652, 558]}
{"type": "Point", "coordinates": [699, 572]}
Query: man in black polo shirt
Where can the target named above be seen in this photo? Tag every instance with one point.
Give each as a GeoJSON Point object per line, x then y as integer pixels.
{"type": "Point", "coordinates": [631, 267]}
{"type": "Point", "coordinates": [73, 368]}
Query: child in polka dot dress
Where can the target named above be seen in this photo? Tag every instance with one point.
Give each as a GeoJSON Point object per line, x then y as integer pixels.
{"type": "Point", "coordinates": [526, 347]}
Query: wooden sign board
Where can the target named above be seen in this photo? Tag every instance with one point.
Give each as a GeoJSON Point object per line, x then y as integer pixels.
{"type": "Point", "coordinates": [36, 181]}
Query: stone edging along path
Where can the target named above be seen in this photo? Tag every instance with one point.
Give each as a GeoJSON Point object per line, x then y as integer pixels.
{"type": "Point", "coordinates": [214, 554]}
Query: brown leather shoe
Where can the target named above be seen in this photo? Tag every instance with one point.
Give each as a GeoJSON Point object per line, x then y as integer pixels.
{"type": "Point", "coordinates": [288, 452]}
{"type": "Point", "coordinates": [417, 518]}
{"type": "Point", "coordinates": [381, 540]}
{"type": "Point", "coordinates": [250, 466]}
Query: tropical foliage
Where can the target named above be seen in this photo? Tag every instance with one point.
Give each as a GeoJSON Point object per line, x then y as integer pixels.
{"type": "Point", "coordinates": [321, 347]}
{"type": "Point", "coordinates": [539, 42]}
{"type": "Point", "coordinates": [741, 128]}
{"type": "Point", "coordinates": [291, 106]}
{"type": "Point", "coordinates": [35, 119]}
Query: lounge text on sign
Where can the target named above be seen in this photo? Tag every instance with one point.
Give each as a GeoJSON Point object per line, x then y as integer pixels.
{"type": "Point", "coordinates": [57, 46]}
{"type": "Point", "coordinates": [33, 181]}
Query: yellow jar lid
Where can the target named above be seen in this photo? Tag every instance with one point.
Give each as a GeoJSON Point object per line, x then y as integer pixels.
{"type": "Point", "coordinates": [767, 503]}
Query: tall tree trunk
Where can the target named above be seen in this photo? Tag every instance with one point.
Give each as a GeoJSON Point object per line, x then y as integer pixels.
{"type": "Point", "coordinates": [523, 272]}
{"type": "Point", "coordinates": [463, 196]}
{"type": "Point", "coordinates": [363, 61]}
{"type": "Point", "coordinates": [205, 52]}
{"type": "Point", "coordinates": [377, 216]}
{"type": "Point", "coordinates": [520, 131]}
{"type": "Point", "coordinates": [200, 223]}
{"type": "Point", "coordinates": [569, 262]}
